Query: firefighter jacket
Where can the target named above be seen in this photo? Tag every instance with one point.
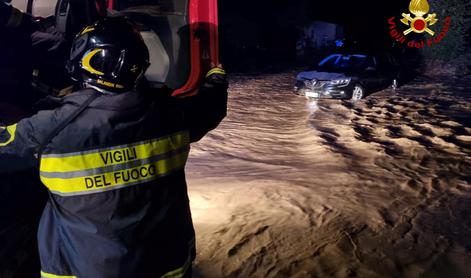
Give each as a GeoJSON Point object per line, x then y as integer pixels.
{"type": "Point", "coordinates": [118, 203]}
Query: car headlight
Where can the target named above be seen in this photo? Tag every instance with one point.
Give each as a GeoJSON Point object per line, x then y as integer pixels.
{"type": "Point", "coordinates": [341, 82]}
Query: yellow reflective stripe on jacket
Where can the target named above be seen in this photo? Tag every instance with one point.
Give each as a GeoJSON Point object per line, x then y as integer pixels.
{"type": "Point", "coordinates": [112, 156]}
{"type": "Point", "coordinates": [138, 163]}
{"type": "Point", "coordinates": [11, 130]}
{"type": "Point", "coordinates": [49, 275]}
{"type": "Point", "coordinates": [116, 179]}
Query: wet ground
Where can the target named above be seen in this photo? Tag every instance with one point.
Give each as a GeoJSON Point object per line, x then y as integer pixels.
{"type": "Point", "coordinates": [288, 187]}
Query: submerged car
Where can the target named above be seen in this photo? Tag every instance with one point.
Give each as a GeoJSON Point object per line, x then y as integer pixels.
{"type": "Point", "coordinates": [348, 76]}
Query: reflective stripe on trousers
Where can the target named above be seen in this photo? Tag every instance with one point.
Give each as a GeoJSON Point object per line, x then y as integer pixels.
{"type": "Point", "coordinates": [176, 273]}
{"type": "Point", "coordinates": [181, 271]}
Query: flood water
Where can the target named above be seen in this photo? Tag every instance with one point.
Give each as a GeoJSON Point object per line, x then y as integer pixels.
{"type": "Point", "coordinates": [288, 187]}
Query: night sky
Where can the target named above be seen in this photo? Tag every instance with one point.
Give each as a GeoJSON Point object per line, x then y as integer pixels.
{"type": "Point", "coordinates": [257, 34]}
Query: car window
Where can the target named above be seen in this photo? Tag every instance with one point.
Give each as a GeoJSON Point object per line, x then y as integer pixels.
{"type": "Point", "coordinates": [370, 62]}
{"type": "Point", "coordinates": [338, 62]}
{"type": "Point", "coordinates": [330, 61]}
{"type": "Point", "coordinates": [352, 62]}
{"type": "Point", "coordinates": [166, 34]}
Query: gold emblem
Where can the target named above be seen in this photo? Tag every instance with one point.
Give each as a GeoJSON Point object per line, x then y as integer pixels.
{"type": "Point", "coordinates": [419, 24]}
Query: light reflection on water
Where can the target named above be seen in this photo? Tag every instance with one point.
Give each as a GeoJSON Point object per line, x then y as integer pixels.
{"type": "Point", "coordinates": [282, 173]}
{"type": "Point", "coordinates": [312, 106]}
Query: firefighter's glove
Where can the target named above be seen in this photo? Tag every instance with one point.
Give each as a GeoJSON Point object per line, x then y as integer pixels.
{"type": "Point", "coordinates": [216, 78]}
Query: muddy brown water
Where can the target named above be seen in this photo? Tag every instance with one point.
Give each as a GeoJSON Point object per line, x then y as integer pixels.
{"type": "Point", "coordinates": [288, 187]}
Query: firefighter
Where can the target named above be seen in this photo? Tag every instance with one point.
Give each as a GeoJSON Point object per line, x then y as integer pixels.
{"type": "Point", "coordinates": [112, 158]}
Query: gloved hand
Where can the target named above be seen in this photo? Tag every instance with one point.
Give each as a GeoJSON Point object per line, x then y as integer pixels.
{"type": "Point", "coordinates": [216, 78]}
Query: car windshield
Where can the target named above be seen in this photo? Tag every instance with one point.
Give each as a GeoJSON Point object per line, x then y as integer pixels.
{"type": "Point", "coordinates": [165, 6]}
{"type": "Point", "coordinates": [338, 62]}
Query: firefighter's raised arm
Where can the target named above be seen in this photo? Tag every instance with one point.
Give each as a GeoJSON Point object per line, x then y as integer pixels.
{"type": "Point", "coordinates": [206, 110]}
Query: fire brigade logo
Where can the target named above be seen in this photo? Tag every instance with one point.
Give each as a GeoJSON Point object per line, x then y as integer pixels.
{"type": "Point", "coordinates": [419, 24]}
{"type": "Point", "coordinates": [419, 21]}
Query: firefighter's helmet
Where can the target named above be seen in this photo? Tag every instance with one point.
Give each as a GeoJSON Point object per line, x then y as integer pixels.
{"type": "Point", "coordinates": [110, 55]}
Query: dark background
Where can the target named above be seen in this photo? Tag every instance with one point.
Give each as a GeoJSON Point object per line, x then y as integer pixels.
{"type": "Point", "coordinates": [262, 34]}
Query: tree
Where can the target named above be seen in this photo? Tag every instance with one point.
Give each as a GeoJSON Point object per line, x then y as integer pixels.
{"type": "Point", "coordinates": [454, 48]}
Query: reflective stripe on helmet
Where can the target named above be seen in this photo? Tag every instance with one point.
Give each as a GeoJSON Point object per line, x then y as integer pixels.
{"type": "Point", "coordinates": [215, 71]}
{"type": "Point", "coordinates": [116, 167]}
{"type": "Point", "coordinates": [9, 134]}
{"type": "Point", "coordinates": [109, 84]}
{"type": "Point", "coordinates": [86, 61]}
{"type": "Point", "coordinates": [87, 29]}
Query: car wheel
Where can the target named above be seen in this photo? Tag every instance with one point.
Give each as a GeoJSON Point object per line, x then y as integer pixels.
{"type": "Point", "coordinates": [358, 92]}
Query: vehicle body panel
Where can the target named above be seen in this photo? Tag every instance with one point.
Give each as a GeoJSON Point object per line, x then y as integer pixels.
{"type": "Point", "coordinates": [204, 43]}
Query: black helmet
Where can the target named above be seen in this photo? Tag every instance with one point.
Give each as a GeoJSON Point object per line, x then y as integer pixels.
{"type": "Point", "coordinates": [110, 55]}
